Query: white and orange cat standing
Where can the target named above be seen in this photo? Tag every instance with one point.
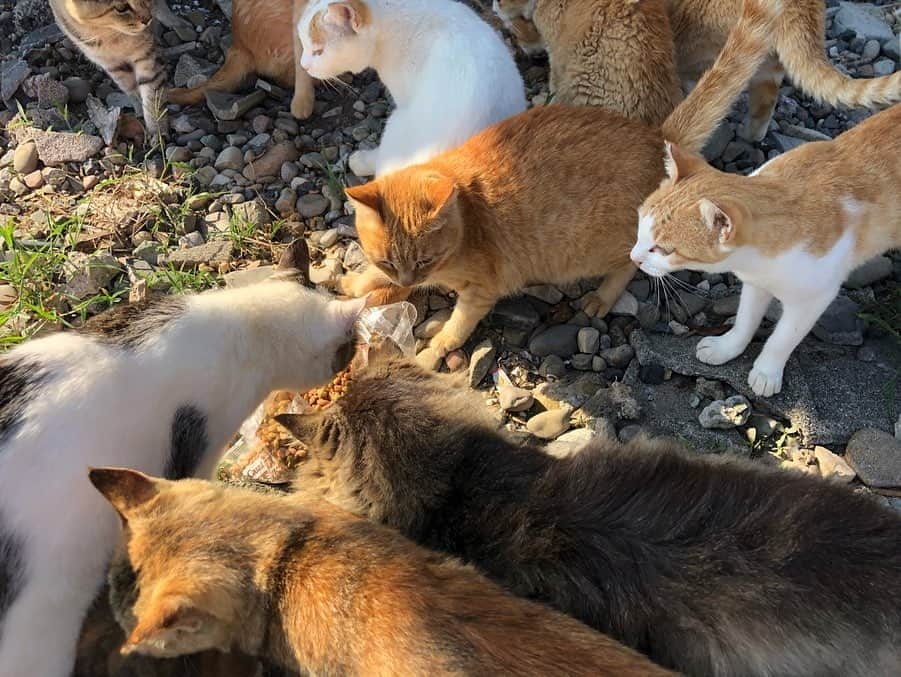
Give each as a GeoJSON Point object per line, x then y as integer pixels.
{"type": "Point", "coordinates": [793, 230]}
{"type": "Point", "coordinates": [449, 72]}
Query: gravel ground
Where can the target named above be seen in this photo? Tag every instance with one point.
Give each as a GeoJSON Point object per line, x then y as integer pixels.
{"type": "Point", "coordinates": [89, 219]}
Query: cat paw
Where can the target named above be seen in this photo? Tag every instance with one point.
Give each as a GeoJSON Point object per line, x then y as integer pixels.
{"type": "Point", "coordinates": [302, 105]}
{"type": "Point", "coordinates": [754, 130]}
{"type": "Point", "coordinates": [444, 342]}
{"type": "Point", "coordinates": [594, 305]}
{"type": "Point", "coordinates": [765, 379]}
{"type": "Point", "coordinates": [362, 162]}
{"type": "Point", "coordinates": [717, 350]}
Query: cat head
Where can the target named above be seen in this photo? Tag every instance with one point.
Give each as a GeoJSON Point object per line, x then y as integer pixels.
{"type": "Point", "coordinates": [336, 37]}
{"type": "Point", "coordinates": [190, 578]}
{"type": "Point", "coordinates": [387, 449]}
{"type": "Point", "coordinates": [409, 223]}
{"type": "Point", "coordinates": [690, 222]}
{"type": "Point", "coordinates": [125, 16]}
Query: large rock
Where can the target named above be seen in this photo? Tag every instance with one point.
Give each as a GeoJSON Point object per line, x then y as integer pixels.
{"type": "Point", "coordinates": [868, 273]}
{"type": "Point", "coordinates": [560, 340]}
{"type": "Point", "coordinates": [481, 362]}
{"type": "Point", "coordinates": [876, 456]}
{"type": "Point", "coordinates": [270, 163]}
{"type": "Point", "coordinates": [840, 324]}
{"type": "Point", "coordinates": [12, 75]}
{"type": "Point", "coordinates": [56, 148]}
{"type": "Point", "coordinates": [859, 17]}
{"type": "Point", "coordinates": [209, 253]}
{"type": "Point", "coordinates": [87, 274]}
{"type": "Point", "coordinates": [231, 107]}
{"type": "Point", "coordinates": [725, 414]}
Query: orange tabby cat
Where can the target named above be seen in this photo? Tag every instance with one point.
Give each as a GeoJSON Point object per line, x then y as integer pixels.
{"type": "Point", "coordinates": [321, 591]}
{"type": "Point", "coordinates": [794, 229]}
{"type": "Point", "coordinates": [264, 42]}
{"type": "Point", "coordinates": [699, 29]}
{"type": "Point", "coordinates": [547, 196]}
{"type": "Point", "coordinates": [613, 54]}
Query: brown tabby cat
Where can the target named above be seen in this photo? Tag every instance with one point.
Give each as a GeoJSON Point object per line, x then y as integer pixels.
{"type": "Point", "coordinates": [700, 29]}
{"type": "Point", "coordinates": [115, 35]}
{"type": "Point", "coordinates": [549, 195]}
{"type": "Point", "coordinates": [317, 589]}
{"type": "Point", "coordinates": [616, 54]}
{"type": "Point", "coordinates": [265, 42]}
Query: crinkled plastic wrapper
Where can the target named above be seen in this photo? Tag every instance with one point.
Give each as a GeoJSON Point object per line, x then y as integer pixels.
{"type": "Point", "coordinates": [265, 451]}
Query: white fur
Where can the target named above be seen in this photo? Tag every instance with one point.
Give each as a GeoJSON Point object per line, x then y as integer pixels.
{"type": "Point", "coordinates": [448, 71]}
{"type": "Point", "coordinates": [110, 406]}
{"type": "Point", "coordinates": [804, 283]}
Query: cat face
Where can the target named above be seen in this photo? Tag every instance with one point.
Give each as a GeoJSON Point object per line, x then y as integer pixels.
{"type": "Point", "coordinates": [125, 16]}
{"type": "Point", "coordinates": [185, 580]}
{"type": "Point", "coordinates": [336, 38]}
{"type": "Point", "coordinates": [681, 225]}
{"type": "Point", "coordinates": [409, 223]}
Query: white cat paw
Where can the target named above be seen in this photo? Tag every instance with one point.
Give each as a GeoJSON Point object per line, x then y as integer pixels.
{"type": "Point", "coordinates": [765, 379]}
{"type": "Point", "coordinates": [362, 162]}
{"type": "Point", "coordinates": [717, 350]}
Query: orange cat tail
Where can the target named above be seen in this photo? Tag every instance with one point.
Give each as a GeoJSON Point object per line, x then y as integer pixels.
{"type": "Point", "coordinates": [749, 43]}
{"type": "Point", "coordinates": [804, 59]}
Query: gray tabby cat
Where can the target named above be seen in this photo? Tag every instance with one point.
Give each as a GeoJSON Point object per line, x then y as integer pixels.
{"type": "Point", "coordinates": [116, 35]}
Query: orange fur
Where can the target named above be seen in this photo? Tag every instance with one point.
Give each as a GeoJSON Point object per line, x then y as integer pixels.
{"type": "Point", "coordinates": [264, 42]}
{"type": "Point", "coordinates": [549, 195]}
{"type": "Point", "coordinates": [614, 54]}
{"type": "Point", "coordinates": [317, 589]}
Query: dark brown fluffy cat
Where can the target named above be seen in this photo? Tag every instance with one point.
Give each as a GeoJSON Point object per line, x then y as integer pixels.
{"type": "Point", "coordinates": [711, 567]}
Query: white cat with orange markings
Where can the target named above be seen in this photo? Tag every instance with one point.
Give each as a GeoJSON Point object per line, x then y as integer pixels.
{"type": "Point", "coordinates": [794, 229]}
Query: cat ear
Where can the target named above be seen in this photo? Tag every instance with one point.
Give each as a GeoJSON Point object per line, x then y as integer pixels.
{"type": "Point", "coordinates": [368, 195]}
{"type": "Point", "coordinates": [352, 14]}
{"type": "Point", "coordinates": [295, 260]}
{"type": "Point", "coordinates": [441, 192]}
{"type": "Point", "coordinates": [170, 623]}
{"type": "Point", "coordinates": [680, 164]}
{"type": "Point", "coordinates": [125, 489]}
{"type": "Point", "coordinates": [717, 220]}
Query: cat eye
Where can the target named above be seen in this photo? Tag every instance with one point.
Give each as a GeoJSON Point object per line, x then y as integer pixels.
{"type": "Point", "coordinates": [122, 9]}
{"type": "Point", "coordinates": [317, 52]}
{"type": "Point", "coordinates": [657, 249]}
{"type": "Point", "coordinates": [386, 264]}
{"type": "Point", "coordinates": [425, 262]}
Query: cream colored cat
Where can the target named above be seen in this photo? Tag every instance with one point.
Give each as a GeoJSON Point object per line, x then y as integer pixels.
{"type": "Point", "coordinates": [549, 195]}
{"type": "Point", "coordinates": [794, 229]}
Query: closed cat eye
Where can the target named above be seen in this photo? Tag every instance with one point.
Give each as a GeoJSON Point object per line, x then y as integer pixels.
{"type": "Point", "coordinates": [386, 264]}
{"type": "Point", "coordinates": [657, 249]}
{"type": "Point", "coordinates": [425, 262]}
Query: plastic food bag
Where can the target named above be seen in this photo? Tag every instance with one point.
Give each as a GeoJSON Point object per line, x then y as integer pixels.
{"type": "Point", "coordinates": [266, 452]}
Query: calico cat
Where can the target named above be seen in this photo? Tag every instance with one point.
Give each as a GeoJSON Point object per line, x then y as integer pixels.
{"type": "Point", "coordinates": [778, 236]}
{"type": "Point", "coordinates": [710, 566]}
{"type": "Point", "coordinates": [320, 591]}
{"type": "Point", "coordinates": [549, 196]}
{"type": "Point", "coordinates": [619, 55]}
{"type": "Point", "coordinates": [264, 42]}
{"type": "Point", "coordinates": [161, 386]}
{"type": "Point", "coordinates": [448, 71]}
{"type": "Point", "coordinates": [116, 35]}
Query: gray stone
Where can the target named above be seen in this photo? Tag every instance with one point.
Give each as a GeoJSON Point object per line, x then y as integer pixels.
{"type": "Point", "coordinates": [189, 67]}
{"type": "Point", "coordinates": [25, 158]}
{"type": "Point", "coordinates": [718, 142]}
{"type": "Point", "coordinates": [868, 273]}
{"type": "Point", "coordinates": [854, 17]}
{"type": "Point", "coordinates": [177, 154]}
{"type": "Point", "coordinates": [312, 204]}
{"type": "Point", "coordinates": [570, 443]}
{"type": "Point", "coordinates": [513, 399]}
{"type": "Point", "coordinates": [79, 89]}
{"type": "Point", "coordinates": [324, 238]}
{"type": "Point", "coordinates": [582, 361]}
{"type": "Point", "coordinates": [876, 456]}
{"type": "Point", "coordinates": [230, 107]}
{"type": "Point", "coordinates": [284, 205]}
{"type": "Point", "coordinates": [726, 306]}
{"type": "Point", "coordinates": [48, 92]}
{"type": "Point", "coordinates": [560, 340]}
{"type": "Point", "coordinates": [725, 414]}
{"type": "Point", "coordinates": [354, 256]}
{"type": "Point", "coordinates": [253, 212]}
{"type": "Point", "coordinates": [710, 389]}
{"type": "Point", "coordinates": [545, 292]}
{"type": "Point", "coordinates": [12, 76]}
{"type": "Point", "coordinates": [229, 157]}
{"type": "Point", "coordinates": [56, 148]}
{"type": "Point", "coordinates": [839, 324]}
{"type": "Point", "coordinates": [552, 366]}
{"type": "Point", "coordinates": [615, 403]}
{"type": "Point", "coordinates": [648, 315]}
{"type": "Point", "coordinates": [148, 251]}
{"type": "Point", "coordinates": [106, 119]}
{"type": "Point", "coordinates": [481, 362]}
{"type": "Point", "coordinates": [517, 313]}
{"type": "Point", "coordinates": [270, 163]}
{"type": "Point", "coordinates": [625, 305]}
{"type": "Point", "coordinates": [787, 143]}
{"type": "Point", "coordinates": [805, 133]}
{"type": "Point", "coordinates": [550, 424]}
{"type": "Point", "coordinates": [209, 253]}
{"type": "Point", "coordinates": [87, 274]}
{"type": "Point", "coordinates": [898, 428]}
{"type": "Point", "coordinates": [589, 340]}
{"type": "Point", "coordinates": [833, 467]}
{"type": "Point", "coordinates": [192, 239]}
{"type": "Point", "coordinates": [618, 356]}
